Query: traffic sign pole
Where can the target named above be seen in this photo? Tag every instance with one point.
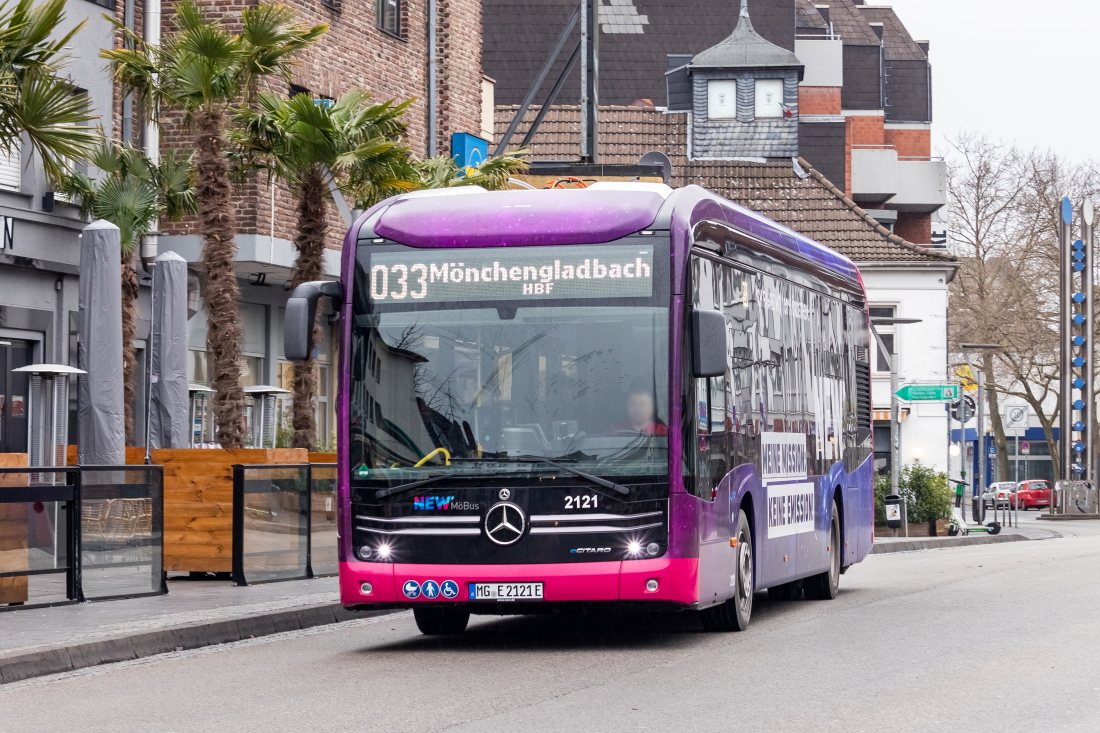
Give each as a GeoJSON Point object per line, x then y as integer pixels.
{"type": "Point", "coordinates": [1089, 462]}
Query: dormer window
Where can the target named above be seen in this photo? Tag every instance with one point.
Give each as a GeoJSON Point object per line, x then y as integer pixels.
{"type": "Point", "coordinates": [769, 98]}
{"type": "Point", "coordinates": [722, 99]}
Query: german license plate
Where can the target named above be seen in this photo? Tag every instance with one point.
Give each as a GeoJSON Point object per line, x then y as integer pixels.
{"type": "Point", "coordinates": [505, 591]}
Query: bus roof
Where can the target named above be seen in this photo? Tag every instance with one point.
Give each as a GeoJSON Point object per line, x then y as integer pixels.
{"type": "Point", "coordinates": [473, 217]}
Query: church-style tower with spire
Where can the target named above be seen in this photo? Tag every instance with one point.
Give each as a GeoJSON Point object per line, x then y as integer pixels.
{"type": "Point", "coordinates": [744, 97]}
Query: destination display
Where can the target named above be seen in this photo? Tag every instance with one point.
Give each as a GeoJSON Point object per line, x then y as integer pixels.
{"type": "Point", "coordinates": [536, 273]}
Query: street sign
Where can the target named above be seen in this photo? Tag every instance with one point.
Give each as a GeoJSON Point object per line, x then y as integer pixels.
{"type": "Point", "coordinates": [992, 449]}
{"type": "Point", "coordinates": [962, 410]}
{"type": "Point", "coordinates": [1025, 448]}
{"type": "Point", "coordinates": [929, 392]}
{"type": "Point", "coordinates": [966, 376]}
{"type": "Point", "coordinates": [1016, 417]}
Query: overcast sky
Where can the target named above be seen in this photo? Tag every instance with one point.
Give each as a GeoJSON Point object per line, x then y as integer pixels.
{"type": "Point", "coordinates": [1022, 70]}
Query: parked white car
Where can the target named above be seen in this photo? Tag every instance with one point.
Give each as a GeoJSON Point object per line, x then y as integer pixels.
{"type": "Point", "coordinates": [1002, 491]}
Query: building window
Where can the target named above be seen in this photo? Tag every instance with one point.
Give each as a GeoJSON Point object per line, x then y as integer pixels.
{"type": "Point", "coordinates": [389, 16]}
{"type": "Point", "coordinates": [7, 232]}
{"type": "Point", "coordinates": [769, 97]}
{"type": "Point", "coordinates": [9, 169]}
{"type": "Point", "coordinates": [883, 311]}
{"type": "Point", "coordinates": [882, 364]}
{"type": "Point", "coordinates": [722, 100]}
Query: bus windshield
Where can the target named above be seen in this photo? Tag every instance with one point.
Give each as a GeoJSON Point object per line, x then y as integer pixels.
{"type": "Point", "coordinates": [576, 373]}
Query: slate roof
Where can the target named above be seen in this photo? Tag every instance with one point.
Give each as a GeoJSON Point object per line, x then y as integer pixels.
{"type": "Point", "coordinates": [806, 16]}
{"type": "Point", "coordinates": [519, 34]}
{"type": "Point", "coordinates": [810, 205]}
{"type": "Point", "coordinates": [744, 48]}
{"type": "Point", "coordinates": [899, 45]}
{"type": "Point", "coordinates": [850, 24]}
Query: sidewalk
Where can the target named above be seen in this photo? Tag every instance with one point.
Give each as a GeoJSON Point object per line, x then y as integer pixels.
{"type": "Point", "coordinates": [913, 544]}
{"type": "Point", "coordinates": [194, 614]}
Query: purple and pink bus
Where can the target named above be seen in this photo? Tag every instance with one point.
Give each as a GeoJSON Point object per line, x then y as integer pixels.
{"type": "Point", "coordinates": [620, 396]}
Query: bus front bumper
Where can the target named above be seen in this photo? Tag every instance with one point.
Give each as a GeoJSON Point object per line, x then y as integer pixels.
{"type": "Point", "coordinates": [677, 581]}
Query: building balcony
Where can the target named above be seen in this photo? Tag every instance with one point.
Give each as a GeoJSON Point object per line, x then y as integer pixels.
{"type": "Point", "coordinates": [874, 174]}
{"type": "Point", "coordinates": [879, 176]}
{"type": "Point", "coordinates": [922, 186]}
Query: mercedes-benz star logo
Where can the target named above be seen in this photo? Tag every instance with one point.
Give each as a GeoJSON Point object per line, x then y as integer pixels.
{"type": "Point", "coordinates": [504, 523]}
{"type": "Point", "coordinates": [505, 494]}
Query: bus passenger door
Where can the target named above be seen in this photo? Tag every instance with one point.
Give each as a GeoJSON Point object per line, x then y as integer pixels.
{"type": "Point", "coordinates": [710, 452]}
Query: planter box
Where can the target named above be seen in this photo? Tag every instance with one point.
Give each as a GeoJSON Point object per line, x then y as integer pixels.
{"type": "Point", "coordinates": [198, 503]}
{"type": "Point", "coordinates": [322, 457]}
{"type": "Point", "coordinates": [135, 455]}
{"type": "Point", "coordinates": [937, 528]}
{"type": "Point", "coordinates": [14, 534]}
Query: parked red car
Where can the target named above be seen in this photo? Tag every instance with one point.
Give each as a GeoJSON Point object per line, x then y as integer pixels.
{"type": "Point", "coordinates": [1032, 494]}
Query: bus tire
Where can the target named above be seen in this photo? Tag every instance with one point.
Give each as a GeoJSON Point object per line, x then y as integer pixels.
{"type": "Point", "coordinates": [441, 621]}
{"type": "Point", "coordinates": [736, 612]}
{"type": "Point", "coordinates": [825, 586]}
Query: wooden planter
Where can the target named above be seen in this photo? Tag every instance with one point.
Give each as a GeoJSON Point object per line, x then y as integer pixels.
{"type": "Point", "coordinates": [198, 503]}
{"type": "Point", "coordinates": [135, 455]}
{"type": "Point", "coordinates": [14, 534]}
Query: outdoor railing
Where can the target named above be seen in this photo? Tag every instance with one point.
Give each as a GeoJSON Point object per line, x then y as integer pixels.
{"type": "Point", "coordinates": [77, 533]}
{"type": "Point", "coordinates": [284, 522]}
{"type": "Point", "coordinates": [1074, 498]}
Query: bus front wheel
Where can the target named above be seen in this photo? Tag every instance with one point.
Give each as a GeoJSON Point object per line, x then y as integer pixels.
{"type": "Point", "coordinates": [441, 621]}
{"type": "Point", "coordinates": [734, 614]}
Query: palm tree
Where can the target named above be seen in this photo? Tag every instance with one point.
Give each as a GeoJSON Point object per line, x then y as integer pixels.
{"type": "Point", "coordinates": [132, 194]}
{"type": "Point", "coordinates": [493, 174]}
{"type": "Point", "coordinates": [34, 100]}
{"type": "Point", "coordinates": [303, 141]}
{"type": "Point", "coordinates": [203, 70]}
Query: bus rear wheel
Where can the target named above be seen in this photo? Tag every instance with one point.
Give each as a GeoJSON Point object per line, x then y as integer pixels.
{"type": "Point", "coordinates": [735, 613]}
{"type": "Point", "coordinates": [441, 621]}
{"type": "Point", "coordinates": [825, 586]}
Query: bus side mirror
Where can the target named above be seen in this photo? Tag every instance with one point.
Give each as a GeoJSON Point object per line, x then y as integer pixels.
{"type": "Point", "coordinates": [301, 312]}
{"type": "Point", "coordinates": [710, 343]}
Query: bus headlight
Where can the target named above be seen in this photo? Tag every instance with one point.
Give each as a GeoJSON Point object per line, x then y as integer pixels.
{"type": "Point", "coordinates": [651, 585]}
{"type": "Point", "coordinates": [365, 553]}
{"type": "Point", "coordinates": [383, 552]}
{"type": "Point", "coordinates": [366, 589]}
{"type": "Point", "coordinates": [634, 548]}
{"type": "Point", "coordinates": [652, 549]}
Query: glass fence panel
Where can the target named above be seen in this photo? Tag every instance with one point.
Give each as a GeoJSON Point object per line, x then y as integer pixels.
{"type": "Point", "coordinates": [275, 533]}
{"type": "Point", "coordinates": [324, 558]}
{"type": "Point", "coordinates": [34, 542]}
{"type": "Point", "coordinates": [122, 531]}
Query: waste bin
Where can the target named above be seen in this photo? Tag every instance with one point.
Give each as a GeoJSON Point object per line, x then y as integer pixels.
{"type": "Point", "coordinates": [893, 511]}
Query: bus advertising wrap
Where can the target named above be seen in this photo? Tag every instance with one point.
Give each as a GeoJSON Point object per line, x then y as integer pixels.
{"type": "Point", "coordinates": [435, 276]}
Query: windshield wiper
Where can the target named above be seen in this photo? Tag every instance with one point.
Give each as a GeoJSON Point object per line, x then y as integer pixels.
{"type": "Point", "coordinates": [618, 488]}
{"type": "Point", "coordinates": [394, 490]}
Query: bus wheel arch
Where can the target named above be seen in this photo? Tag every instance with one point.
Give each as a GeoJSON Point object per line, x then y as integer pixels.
{"type": "Point", "coordinates": [838, 502]}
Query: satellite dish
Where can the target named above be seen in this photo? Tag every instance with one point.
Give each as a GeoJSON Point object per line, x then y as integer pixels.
{"type": "Point", "coordinates": [656, 157]}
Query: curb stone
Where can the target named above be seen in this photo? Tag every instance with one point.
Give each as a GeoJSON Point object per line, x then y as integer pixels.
{"type": "Point", "coordinates": [936, 543]}
{"type": "Point", "coordinates": [123, 648]}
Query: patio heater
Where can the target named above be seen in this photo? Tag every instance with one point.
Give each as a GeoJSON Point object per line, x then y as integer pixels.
{"type": "Point", "coordinates": [263, 416]}
{"type": "Point", "coordinates": [48, 418]}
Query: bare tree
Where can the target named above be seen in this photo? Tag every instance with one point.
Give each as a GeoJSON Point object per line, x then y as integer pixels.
{"type": "Point", "coordinates": [1003, 203]}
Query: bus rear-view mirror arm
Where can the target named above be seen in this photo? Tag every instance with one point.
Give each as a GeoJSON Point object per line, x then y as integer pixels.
{"type": "Point", "coordinates": [709, 342]}
{"type": "Point", "coordinates": [301, 313]}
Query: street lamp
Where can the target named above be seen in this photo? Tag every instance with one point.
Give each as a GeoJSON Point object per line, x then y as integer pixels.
{"type": "Point", "coordinates": [895, 406]}
{"type": "Point", "coordinates": [976, 507]}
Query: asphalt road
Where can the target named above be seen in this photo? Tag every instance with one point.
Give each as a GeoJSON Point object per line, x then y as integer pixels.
{"type": "Point", "coordinates": [994, 638]}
